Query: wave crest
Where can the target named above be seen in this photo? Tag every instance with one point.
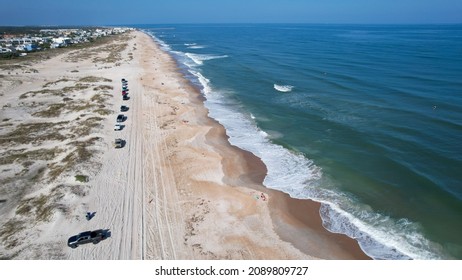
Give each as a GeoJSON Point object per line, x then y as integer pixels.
{"type": "Point", "coordinates": [283, 88]}
{"type": "Point", "coordinates": [200, 58]}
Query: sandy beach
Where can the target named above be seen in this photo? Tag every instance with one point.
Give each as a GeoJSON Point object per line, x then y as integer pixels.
{"type": "Point", "coordinates": [176, 190]}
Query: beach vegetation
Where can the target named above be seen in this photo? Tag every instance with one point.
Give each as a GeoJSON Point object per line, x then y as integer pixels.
{"type": "Point", "coordinates": [34, 133]}
{"type": "Point", "coordinates": [11, 67]}
{"type": "Point", "coordinates": [34, 93]}
{"type": "Point", "coordinates": [64, 80]}
{"type": "Point", "coordinates": [76, 107]}
{"type": "Point", "coordinates": [100, 98]}
{"type": "Point", "coordinates": [86, 126]}
{"type": "Point", "coordinates": [80, 153]}
{"type": "Point", "coordinates": [55, 92]}
{"type": "Point", "coordinates": [6, 124]}
{"type": "Point", "coordinates": [26, 156]}
{"type": "Point", "coordinates": [9, 232]}
{"type": "Point", "coordinates": [41, 207]}
{"type": "Point", "coordinates": [113, 52]}
{"type": "Point", "coordinates": [103, 112]}
{"type": "Point", "coordinates": [78, 190]}
{"type": "Point", "coordinates": [81, 178]}
{"type": "Point", "coordinates": [38, 175]}
{"type": "Point", "coordinates": [53, 110]}
{"type": "Point", "coordinates": [9, 255]}
{"type": "Point", "coordinates": [93, 79]}
{"type": "Point", "coordinates": [55, 170]}
{"type": "Point", "coordinates": [103, 88]}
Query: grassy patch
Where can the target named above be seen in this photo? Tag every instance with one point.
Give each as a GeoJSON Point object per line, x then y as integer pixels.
{"type": "Point", "coordinates": [55, 170]}
{"type": "Point", "coordinates": [113, 53]}
{"type": "Point", "coordinates": [38, 175]}
{"type": "Point", "coordinates": [93, 79]}
{"type": "Point", "coordinates": [80, 154]}
{"type": "Point", "coordinates": [103, 112]}
{"type": "Point", "coordinates": [34, 133]}
{"type": "Point", "coordinates": [100, 98]}
{"type": "Point", "coordinates": [85, 127]}
{"type": "Point", "coordinates": [64, 80]}
{"type": "Point", "coordinates": [80, 106]}
{"type": "Point", "coordinates": [8, 233]}
{"type": "Point", "coordinates": [55, 92]}
{"type": "Point", "coordinates": [40, 207]}
{"type": "Point", "coordinates": [33, 93]}
{"type": "Point", "coordinates": [11, 67]}
{"type": "Point", "coordinates": [53, 111]}
{"type": "Point", "coordinates": [26, 157]}
{"type": "Point", "coordinates": [103, 87]}
{"type": "Point", "coordinates": [81, 178]}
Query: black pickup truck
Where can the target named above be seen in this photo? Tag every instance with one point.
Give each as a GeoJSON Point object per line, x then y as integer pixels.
{"type": "Point", "coordinates": [87, 237]}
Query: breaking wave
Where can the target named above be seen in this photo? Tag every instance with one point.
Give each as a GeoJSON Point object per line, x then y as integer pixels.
{"type": "Point", "coordinates": [283, 88]}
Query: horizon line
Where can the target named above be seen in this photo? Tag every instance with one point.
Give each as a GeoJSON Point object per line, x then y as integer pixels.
{"type": "Point", "coordinates": [211, 23]}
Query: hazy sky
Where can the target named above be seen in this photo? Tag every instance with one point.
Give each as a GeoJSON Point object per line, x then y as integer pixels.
{"type": "Point", "coordinates": [105, 12]}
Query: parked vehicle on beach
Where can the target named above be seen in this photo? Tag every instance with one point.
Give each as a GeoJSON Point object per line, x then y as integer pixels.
{"type": "Point", "coordinates": [119, 143]}
{"type": "Point", "coordinates": [125, 97]}
{"type": "Point", "coordinates": [87, 237]}
{"type": "Point", "coordinates": [118, 127]}
{"type": "Point", "coordinates": [120, 118]}
{"type": "Point", "coordinates": [124, 108]}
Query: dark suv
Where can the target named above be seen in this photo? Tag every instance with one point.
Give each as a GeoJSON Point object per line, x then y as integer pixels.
{"type": "Point", "coordinates": [120, 118]}
{"type": "Point", "coordinates": [123, 108]}
{"type": "Point", "coordinates": [87, 237]}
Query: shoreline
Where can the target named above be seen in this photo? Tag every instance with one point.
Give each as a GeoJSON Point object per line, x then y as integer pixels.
{"type": "Point", "coordinates": [176, 190]}
{"type": "Point", "coordinates": [292, 218]}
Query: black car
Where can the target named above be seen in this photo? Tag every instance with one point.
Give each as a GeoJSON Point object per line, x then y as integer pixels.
{"type": "Point", "coordinates": [125, 97]}
{"type": "Point", "coordinates": [124, 108]}
{"type": "Point", "coordinates": [120, 118]}
{"type": "Point", "coordinates": [87, 237]}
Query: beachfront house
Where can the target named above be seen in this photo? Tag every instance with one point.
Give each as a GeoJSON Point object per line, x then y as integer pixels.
{"type": "Point", "coordinates": [60, 42]}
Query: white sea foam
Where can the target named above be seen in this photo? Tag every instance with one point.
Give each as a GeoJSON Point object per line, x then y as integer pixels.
{"type": "Point", "coordinates": [380, 236]}
{"type": "Point", "coordinates": [194, 46]}
{"type": "Point", "coordinates": [164, 46]}
{"type": "Point", "coordinates": [200, 58]}
{"type": "Point", "coordinates": [283, 88]}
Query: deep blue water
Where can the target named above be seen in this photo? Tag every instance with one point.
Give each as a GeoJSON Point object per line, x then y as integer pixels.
{"type": "Point", "coordinates": [365, 119]}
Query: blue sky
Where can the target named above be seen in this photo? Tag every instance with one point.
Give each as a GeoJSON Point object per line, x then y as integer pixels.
{"type": "Point", "coordinates": [105, 12]}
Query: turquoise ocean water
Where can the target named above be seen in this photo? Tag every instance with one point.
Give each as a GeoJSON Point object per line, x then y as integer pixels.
{"type": "Point", "coordinates": [365, 119]}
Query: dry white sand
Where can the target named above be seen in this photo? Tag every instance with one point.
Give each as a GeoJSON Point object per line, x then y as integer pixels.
{"type": "Point", "coordinates": [177, 190]}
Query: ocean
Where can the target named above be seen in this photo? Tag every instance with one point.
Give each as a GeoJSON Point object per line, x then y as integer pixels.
{"type": "Point", "coordinates": [365, 119]}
